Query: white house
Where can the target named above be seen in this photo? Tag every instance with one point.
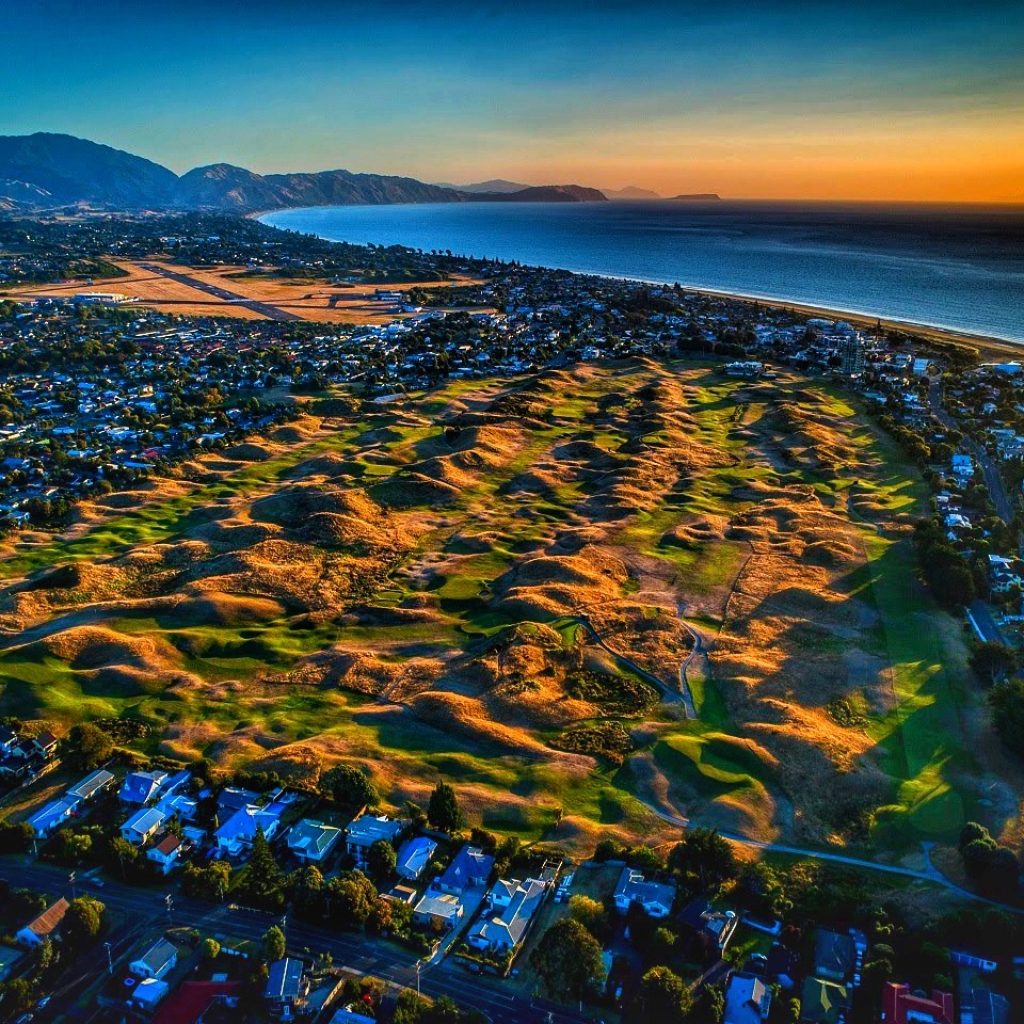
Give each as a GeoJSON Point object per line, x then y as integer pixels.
{"type": "Point", "coordinates": [92, 784]}
{"type": "Point", "coordinates": [157, 961]}
{"type": "Point", "coordinates": [365, 830]}
{"type": "Point", "coordinates": [655, 898]}
{"type": "Point", "coordinates": [140, 787]}
{"type": "Point", "coordinates": [141, 826]}
{"type": "Point", "coordinates": [518, 902]}
{"type": "Point", "coordinates": [311, 841]}
{"type": "Point", "coordinates": [442, 910]}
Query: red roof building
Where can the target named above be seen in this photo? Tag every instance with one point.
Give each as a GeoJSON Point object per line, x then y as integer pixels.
{"type": "Point", "coordinates": [901, 1006]}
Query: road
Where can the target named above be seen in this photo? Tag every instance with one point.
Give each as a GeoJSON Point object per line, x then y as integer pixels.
{"type": "Point", "coordinates": [146, 909]}
{"type": "Point", "coordinates": [989, 469]}
{"type": "Point", "coordinates": [264, 308]}
{"type": "Point", "coordinates": [930, 874]}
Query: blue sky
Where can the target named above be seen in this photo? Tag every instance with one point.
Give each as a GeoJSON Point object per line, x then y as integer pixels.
{"type": "Point", "coordinates": [782, 99]}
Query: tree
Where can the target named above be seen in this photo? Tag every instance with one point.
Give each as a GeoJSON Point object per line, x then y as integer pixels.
{"type": "Point", "coordinates": [350, 788]}
{"type": "Point", "coordinates": [703, 860]}
{"type": "Point", "coordinates": [263, 879]}
{"type": "Point", "coordinates": [381, 860]}
{"type": "Point", "coordinates": [568, 959]}
{"type": "Point", "coordinates": [273, 944]}
{"type": "Point", "coordinates": [443, 811]}
{"type": "Point", "coordinates": [82, 922]}
{"type": "Point", "coordinates": [993, 661]}
{"type": "Point", "coordinates": [352, 896]}
{"type": "Point", "coordinates": [122, 854]}
{"type": "Point", "coordinates": [209, 949]}
{"type": "Point", "coordinates": [410, 1008]}
{"type": "Point", "coordinates": [662, 997]}
{"type": "Point", "coordinates": [1007, 702]}
{"type": "Point", "coordinates": [590, 913]}
{"type": "Point", "coordinates": [15, 838]}
{"type": "Point", "coordinates": [87, 747]}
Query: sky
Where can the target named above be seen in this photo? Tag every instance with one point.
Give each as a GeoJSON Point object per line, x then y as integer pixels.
{"type": "Point", "coordinates": [813, 100]}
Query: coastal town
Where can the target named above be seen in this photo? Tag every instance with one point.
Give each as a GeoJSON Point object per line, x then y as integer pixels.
{"type": "Point", "coordinates": [139, 888]}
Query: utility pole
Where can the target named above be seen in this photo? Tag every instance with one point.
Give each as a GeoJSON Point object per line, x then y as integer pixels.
{"type": "Point", "coordinates": [72, 876]}
{"type": "Point", "coordinates": [110, 959]}
{"type": "Point", "coordinates": [169, 903]}
{"type": "Point", "coordinates": [419, 967]}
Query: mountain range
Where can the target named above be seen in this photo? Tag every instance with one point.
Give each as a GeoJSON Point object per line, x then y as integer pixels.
{"type": "Point", "coordinates": [503, 185]}
{"type": "Point", "coordinates": [48, 170]}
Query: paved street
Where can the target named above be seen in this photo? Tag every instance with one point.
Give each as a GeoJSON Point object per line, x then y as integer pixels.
{"type": "Point", "coordinates": [356, 951]}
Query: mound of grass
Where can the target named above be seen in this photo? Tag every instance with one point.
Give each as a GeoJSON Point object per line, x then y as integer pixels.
{"type": "Point", "coordinates": [617, 695]}
{"type": "Point", "coordinates": [607, 740]}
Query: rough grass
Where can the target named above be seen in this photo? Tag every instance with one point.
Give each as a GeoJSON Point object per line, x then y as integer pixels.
{"type": "Point", "coordinates": [367, 589]}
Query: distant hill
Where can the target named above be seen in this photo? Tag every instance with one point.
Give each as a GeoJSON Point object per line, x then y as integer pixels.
{"type": "Point", "coordinates": [630, 192]}
{"type": "Point", "coordinates": [698, 197]}
{"type": "Point", "coordinates": [545, 194]}
{"type": "Point", "coordinates": [59, 169]}
{"type": "Point", "coordinates": [47, 171]}
{"type": "Point", "coordinates": [494, 185]}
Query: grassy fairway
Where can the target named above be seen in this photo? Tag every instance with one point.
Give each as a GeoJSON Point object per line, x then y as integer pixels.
{"type": "Point", "coordinates": [428, 628]}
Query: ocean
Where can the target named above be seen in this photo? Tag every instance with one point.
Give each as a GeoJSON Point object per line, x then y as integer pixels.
{"type": "Point", "coordinates": [955, 267]}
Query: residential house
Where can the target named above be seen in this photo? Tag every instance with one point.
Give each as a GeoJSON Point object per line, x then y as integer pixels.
{"type": "Point", "coordinates": [413, 857]}
{"type": "Point", "coordinates": [148, 994]}
{"type": "Point", "coordinates": [45, 744]}
{"type": "Point", "coordinates": [708, 930]}
{"type": "Point", "coordinates": [157, 961]}
{"type": "Point", "coordinates": [365, 830]}
{"type": "Point", "coordinates": [235, 836]}
{"type": "Point", "coordinates": [287, 987]}
{"type": "Point", "coordinates": [470, 869]}
{"type": "Point", "coordinates": [347, 1015]}
{"type": "Point", "coordinates": [823, 1002]}
{"type": "Point", "coordinates": [53, 815]}
{"type": "Point", "coordinates": [45, 926]}
{"type": "Point", "coordinates": [139, 788]}
{"type": "Point", "coordinates": [834, 956]}
{"type": "Point", "coordinates": [179, 805]}
{"type": "Point", "coordinates": [232, 799]}
{"type": "Point", "coordinates": [982, 1006]}
{"type": "Point", "coordinates": [747, 1000]}
{"type": "Point", "coordinates": [9, 961]}
{"type": "Point", "coordinates": [518, 903]}
{"type": "Point", "coordinates": [438, 910]}
{"type": "Point", "coordinates": [311, 841]}
{"type": "Point", "coordinates": [901, 1006]}
{"type": "Point", "coordinates": [165, 852]}
{"type": "Point", "coordinates": [655, 897]}
{"type": "Point", "coordinates": [141, 826]}
{"type": "Point", "coordinates": [92, 784]}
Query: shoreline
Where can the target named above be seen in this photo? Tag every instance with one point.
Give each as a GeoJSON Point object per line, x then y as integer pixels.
{"type": "Point", "coordinates": [929, 332]}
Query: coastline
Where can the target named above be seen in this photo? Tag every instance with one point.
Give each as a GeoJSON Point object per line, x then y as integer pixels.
{"type": "Point", "coordinates": [987, 345]}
